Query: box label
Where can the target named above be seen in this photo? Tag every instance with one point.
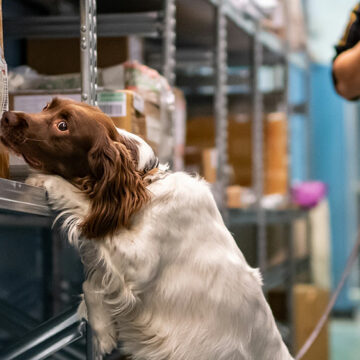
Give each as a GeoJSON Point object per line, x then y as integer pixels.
{"type": "Point", "coordinates": [112, 104]}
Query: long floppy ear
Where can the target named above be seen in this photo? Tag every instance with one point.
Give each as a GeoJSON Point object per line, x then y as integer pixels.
{"type": "Point", "coordinates": [115, 188]}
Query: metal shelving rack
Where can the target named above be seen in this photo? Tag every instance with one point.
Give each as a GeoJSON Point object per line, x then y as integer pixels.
{"type": "Point", "coordinates": [23, 205]}
{"type": "Point", "coordinates": [20, 203]}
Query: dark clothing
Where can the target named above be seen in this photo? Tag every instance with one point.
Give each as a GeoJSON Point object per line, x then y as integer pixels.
{"type": "Point", "coordinates": [350, 37]}
{"type": "Point", "coordinates": [352, 33]}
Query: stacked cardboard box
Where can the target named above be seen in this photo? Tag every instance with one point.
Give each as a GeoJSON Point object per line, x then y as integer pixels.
{"type": "Point", "coordinates": [276, 161]}
{"type": "Point", "coordinates": [201, 136]}
{"type": "Point", "coordinates": [111, 51]}
{"type": "Point", "coordinates": [309, 304]}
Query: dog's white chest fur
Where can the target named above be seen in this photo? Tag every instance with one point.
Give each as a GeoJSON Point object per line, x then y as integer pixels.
{"type": "Point", "coordinates": [175, 286]}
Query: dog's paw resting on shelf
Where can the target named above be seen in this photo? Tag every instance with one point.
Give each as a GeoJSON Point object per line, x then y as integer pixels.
{"type": "Point", "coordinates": [61, 194]}
{"type": "Point", "coordinates": [164, 277]}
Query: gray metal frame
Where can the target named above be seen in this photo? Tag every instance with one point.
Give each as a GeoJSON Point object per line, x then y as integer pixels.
{"type": "Point", "coordinates": [48, 338]}
{"type": "Point", "coordinates": [221, 105]}
{"type": "Point", "coordinates": [88, 51]}
{"type": "Point", "coordinates": [169, 39]}
{"type": "Point", "coordinates": [258, 149]}
{"type": "Point", "coordinates": [20, 324]}
{"type": "Point", "coordinates": [168, 70]}
{"type": "Point", "coordinates": [148, 24]}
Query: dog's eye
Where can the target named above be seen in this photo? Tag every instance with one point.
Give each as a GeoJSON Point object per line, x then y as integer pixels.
{"type": "Point", "coordinates": [62, 126]}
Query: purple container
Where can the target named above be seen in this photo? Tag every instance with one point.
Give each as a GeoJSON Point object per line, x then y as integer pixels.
{"type": "Point", "coordinates": [308, 194]}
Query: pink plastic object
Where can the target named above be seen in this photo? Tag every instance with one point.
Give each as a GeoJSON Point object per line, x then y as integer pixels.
{"type": "Point", "coordinates": [308, 194]}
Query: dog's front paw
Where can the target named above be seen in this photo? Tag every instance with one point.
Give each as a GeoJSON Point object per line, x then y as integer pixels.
{"type": "Point", "coordinates": [61, 194]}
{"type": "Point", "coordinates": [105, 342]}
{"type": "Point", "coordinates": [53, 184]}
{"type": "Point", "coordinates": [82, 310]}
{"type": "Point", "coordinates": [37, 180]}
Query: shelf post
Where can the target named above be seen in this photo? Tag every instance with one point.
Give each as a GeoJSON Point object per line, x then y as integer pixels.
{"type": "Point", "coordinates": [167, 105]}
{"type": "Point", "coordinates": [88, 59]}
{"type": "Point", "coordinates": [169, 36]}
{"type": "Point", "coordinates": [88, 51]}
{"type": "Point", "coordinates": [258, 149]}
{"type": "Point", "coordinates": [221, 105]}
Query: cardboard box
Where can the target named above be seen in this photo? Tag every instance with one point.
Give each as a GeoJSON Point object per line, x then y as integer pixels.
{"type": "Point", "coordinates": [276, 162]}
{"type": "Point", "coordinates": [202, 162]}
{"type": "Point", "coordinates": [126, 109]}
{"type": "Point", "coordinates": [233, 194]}
{"type": "Point", "coordinates": [201, 134]}
{"type": "Point", "coordinates": [209, 161]}
{"type": "Point", "coordinates": [309, 304]}
{"type": "Point", "coordinates": [4, 162]}
{"type": "Point", "coordinates": [111, 51]}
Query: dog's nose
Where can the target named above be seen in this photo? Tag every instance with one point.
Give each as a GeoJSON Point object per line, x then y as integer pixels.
{"type": "Point", "coordinates": [12, 119]}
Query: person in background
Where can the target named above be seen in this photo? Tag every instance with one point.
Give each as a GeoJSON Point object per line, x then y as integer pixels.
{"type": "Point", "coordinates": [346, 64]}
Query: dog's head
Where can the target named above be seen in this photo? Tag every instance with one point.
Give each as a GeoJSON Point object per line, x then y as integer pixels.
{"type": "Point", "coordinates": [80, 143]}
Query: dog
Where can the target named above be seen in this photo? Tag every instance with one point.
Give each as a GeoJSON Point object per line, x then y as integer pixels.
{"type": "Point", "coordinates": [164, 276]}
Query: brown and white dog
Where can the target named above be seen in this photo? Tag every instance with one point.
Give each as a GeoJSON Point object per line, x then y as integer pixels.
{"type": "Point", "coordinates": [163, 274]}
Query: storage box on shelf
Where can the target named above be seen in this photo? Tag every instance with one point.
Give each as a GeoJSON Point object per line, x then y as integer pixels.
{"type": "Point", "coordinates": [201, 136]}
{"type": "Point", "coordinates": [4, 162]}
{"type": "Point", "coordinates": [111, 51]}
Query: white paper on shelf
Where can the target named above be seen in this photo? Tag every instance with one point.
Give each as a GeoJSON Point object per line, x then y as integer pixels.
{"type": "Point", "coordinates": [35, 103]}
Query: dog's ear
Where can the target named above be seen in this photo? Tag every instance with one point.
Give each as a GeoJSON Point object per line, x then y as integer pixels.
{"type": "Point", "coordinates": [115, 187]}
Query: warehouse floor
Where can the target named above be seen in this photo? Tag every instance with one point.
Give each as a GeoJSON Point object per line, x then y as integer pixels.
{"type": "Point", "coordinates": [345, 339]}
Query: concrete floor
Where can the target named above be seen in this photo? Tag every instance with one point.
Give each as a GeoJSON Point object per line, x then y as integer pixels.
{"type": "Point", "coordinates": [345, 339]}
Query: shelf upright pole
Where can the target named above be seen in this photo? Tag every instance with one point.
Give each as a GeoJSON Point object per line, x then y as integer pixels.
{"type": "Point", "coordinates": [258, 148]}
{"type": "Point", "coordinates": [88, 51]}
{"type": "Point", "coordinates": [291, 270]}
{"type": "Point", "coordinates": [169, 38]}
{"type": "Point", "coordinates": [221, 106]}
{"type": "Point", "coordinates": [167, 104]}
{"type": "Point", "coordinates": [88, 58]}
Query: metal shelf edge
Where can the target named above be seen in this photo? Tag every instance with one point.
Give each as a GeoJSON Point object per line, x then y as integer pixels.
{"type": "Point", "coordinates": [148, 24]}
{"type": "Point", "coordinates": [16, 197]}
{"type": "Point", "coordinates": [244, 216]}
